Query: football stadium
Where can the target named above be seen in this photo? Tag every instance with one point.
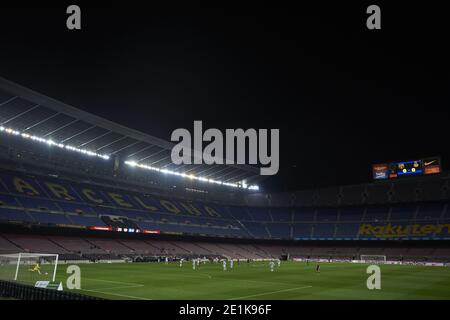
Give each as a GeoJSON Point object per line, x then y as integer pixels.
{"type": "Point", "coordinates": [185, 157]}
{"type": "Point", "coordinates": [74, 192]}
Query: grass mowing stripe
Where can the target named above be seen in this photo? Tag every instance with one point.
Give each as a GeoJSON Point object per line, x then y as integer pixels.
{"type": "Point", "coordinates": [268, 293]}
{"type": "Point", "coordinates": [121, 287]}
{"type": "Point", "coordinates": [110, 281]}
{"type": "Point", "coordinates": [116, 294]}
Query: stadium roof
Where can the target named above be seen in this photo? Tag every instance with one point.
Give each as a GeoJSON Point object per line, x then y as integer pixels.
{"type": "Point", "coordinates": [32, 113]}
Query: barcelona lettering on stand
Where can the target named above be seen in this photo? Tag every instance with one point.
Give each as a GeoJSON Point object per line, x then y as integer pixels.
{"type": "Point", "coordinates": [96, 196]}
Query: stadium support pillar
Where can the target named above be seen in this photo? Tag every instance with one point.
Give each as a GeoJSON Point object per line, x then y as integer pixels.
{"type": "Point", "coordinates": [116, 164]}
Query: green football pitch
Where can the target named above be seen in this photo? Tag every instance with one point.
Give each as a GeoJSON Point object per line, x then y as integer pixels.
{"type": "Point", "coordinates": [292, 280]}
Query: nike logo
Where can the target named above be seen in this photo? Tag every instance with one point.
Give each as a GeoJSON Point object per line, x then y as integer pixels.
{"type": "Point", "coordinates": [428, 163]}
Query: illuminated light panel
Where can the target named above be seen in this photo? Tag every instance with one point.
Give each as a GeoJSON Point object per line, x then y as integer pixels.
{"type": "Point", "coordinates": [100, 228]}
{"type": "Point", "coordinates": [52, 143]}
{"type": "Point", "coordinates": [151, 231]}
{"type": "Point", "coordinates": [190, 176]}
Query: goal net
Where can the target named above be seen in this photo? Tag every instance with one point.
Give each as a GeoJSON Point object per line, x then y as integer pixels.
{"type": "Point", "coordinates": [373, 258]}
{"type": "Point", "coordinates": [28, 267]}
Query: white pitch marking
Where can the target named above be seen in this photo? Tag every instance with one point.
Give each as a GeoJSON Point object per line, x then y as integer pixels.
{"type": "Point", "coordinates": [127, 285]}
{"type": "Point", "coordinates": [272, 292]}
{"type": "Point", "coordinates": [116, 294]}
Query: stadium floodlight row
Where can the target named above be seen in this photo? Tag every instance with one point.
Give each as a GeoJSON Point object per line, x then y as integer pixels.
{"type": "Point", "coordinates": [193, 177]}
{"type": "Point", "coordinates": [130, 163]}
{"type": "Point", "coordinates": [37, 118]}
{"type": "Point", "coordinates": [50, 142]}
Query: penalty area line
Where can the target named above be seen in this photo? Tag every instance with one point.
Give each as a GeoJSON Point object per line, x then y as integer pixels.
{"type": "Point", "coordinates": [271, 292]}
{"type": "Point", "coordinates": [116, 294]}
{"type": "Point", "coordinates": [124, 285]}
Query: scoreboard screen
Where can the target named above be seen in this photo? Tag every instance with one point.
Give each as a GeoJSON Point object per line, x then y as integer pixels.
{"type": "Point", "coordinates": [404, 168]}
{"type": "Point", "coordinates": [401, 169]}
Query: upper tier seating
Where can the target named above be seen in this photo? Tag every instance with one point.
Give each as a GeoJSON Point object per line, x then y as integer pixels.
{"type": "Point", "coordinates": [48, 201]}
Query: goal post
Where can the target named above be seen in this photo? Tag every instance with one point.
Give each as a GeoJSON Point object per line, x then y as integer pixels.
{"type": "Point", "coordinates": [28, 267]}
{"type": "Point", "coordinates": [374, 258]}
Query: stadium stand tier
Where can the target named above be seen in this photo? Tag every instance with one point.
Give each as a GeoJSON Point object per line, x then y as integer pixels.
{"type": "Point", "coordinates": [94, 248]}
{"type": "Point", "coordinates": [51, 201]}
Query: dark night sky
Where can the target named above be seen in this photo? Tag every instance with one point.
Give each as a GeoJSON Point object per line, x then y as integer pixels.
{"type": "Point", "coordinates": [343, 97]}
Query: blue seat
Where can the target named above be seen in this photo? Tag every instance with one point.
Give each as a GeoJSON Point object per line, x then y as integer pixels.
{"type": "Point", "coordinates": [327, 214]}
{"type": "Point", "coordinates": [323, 231]}
{"type": "Point", "coordinates": [14, 215]}
{"type": "Point", "coordinates": [86, 221]}
{"type": "Point", "coordinates": [281, 214]}
{"type": "Point", "coordinates": [347, 230]}
{"type": "Point", "coordinates": [75, 207]}
{"type": "Point", "coordinates": [260, 214]}
{"type": "Point", "coordinates": [403, 213]}
{"type": "Point", "coordinates": [302, 230]}
{"type": "Point", "coordinates": [304, 214]}
{"type": "Point", "coordinates": [50, 218]}
{"type": "Point", "coordinates": [239, 213]}
{"type": "Point", "coordinates": [351, 214]}
{"type": "Point", "coordinates": [376, 214]}
{"type": "Point", "coordinates": [37, 204]}
{"type": "Point", "coordinates": [279, 230]}
{"type": "Point", "coordinates": [430, 211]}
{"type": "Point", "coordinates": [258, 230]}
{"type": "Point", "coordinates": [9, 200]}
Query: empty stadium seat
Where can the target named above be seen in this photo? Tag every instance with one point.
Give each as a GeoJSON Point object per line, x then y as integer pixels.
{"type": "Point", "coordinates": [50, 201]}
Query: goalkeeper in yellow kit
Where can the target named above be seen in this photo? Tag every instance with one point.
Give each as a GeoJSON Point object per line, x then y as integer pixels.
{"type": "Point", "coordinates": [36, 268]}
